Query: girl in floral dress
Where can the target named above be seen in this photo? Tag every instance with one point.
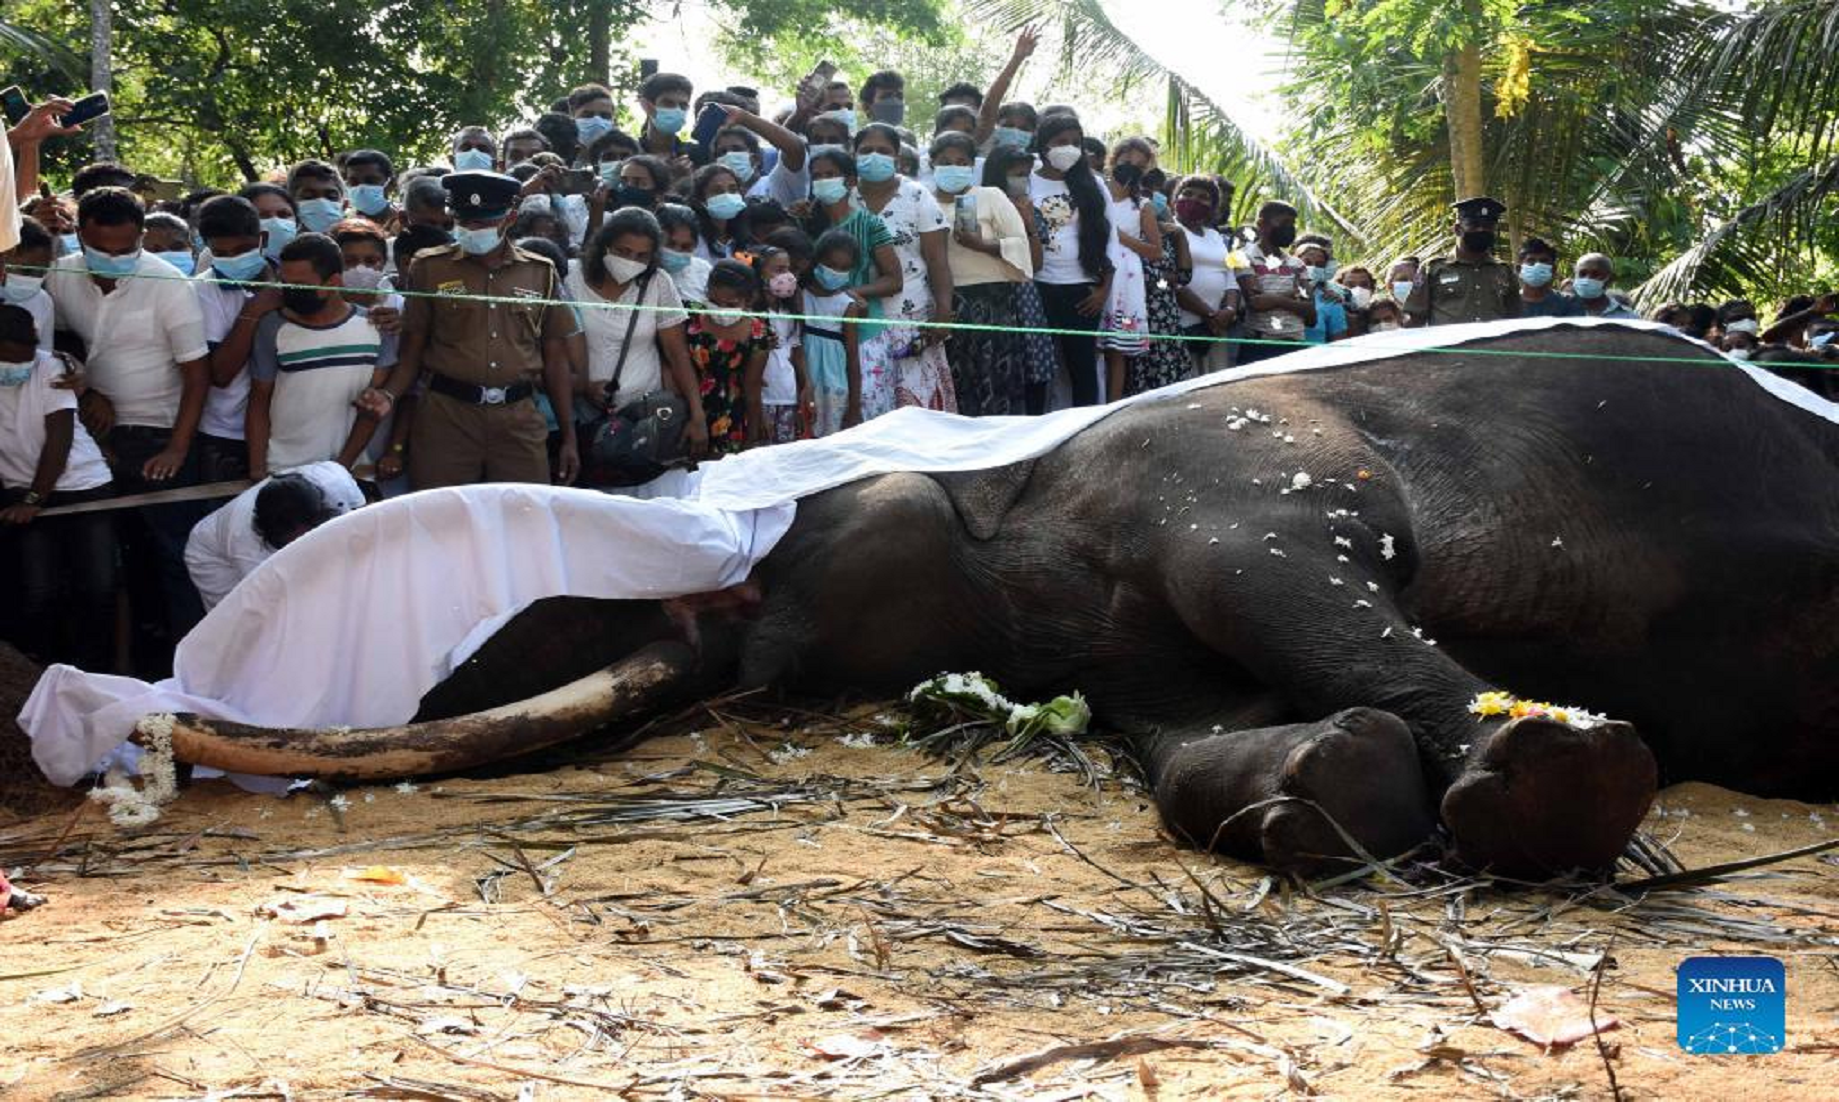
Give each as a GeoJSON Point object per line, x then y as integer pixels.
{"type": "Point", "coordinates": [728, 350]}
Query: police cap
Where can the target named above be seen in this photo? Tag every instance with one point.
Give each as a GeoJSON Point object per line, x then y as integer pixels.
{"type": "Point", "coordinates": [1480, 208]}
{"type": "Point", "coordinates": [480, 195]}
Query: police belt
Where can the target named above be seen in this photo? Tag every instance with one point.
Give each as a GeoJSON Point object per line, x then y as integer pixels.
{"type": "Point", "coordinates": [476, 395]}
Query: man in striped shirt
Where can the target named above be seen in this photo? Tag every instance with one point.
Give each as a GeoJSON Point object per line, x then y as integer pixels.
{"type": "Point", "coordinates": [309, 362]}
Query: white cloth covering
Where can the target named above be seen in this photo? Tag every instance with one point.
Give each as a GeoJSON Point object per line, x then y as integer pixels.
{"type": "Point", "coordinates": [223, 548]}
{"type": "Point", "coordinates": [297, 644]}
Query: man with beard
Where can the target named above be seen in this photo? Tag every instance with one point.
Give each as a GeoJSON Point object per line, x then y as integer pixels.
{"type": "Point", "coordinates": [1470, 285]}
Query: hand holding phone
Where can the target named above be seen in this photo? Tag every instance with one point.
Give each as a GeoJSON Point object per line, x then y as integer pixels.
{"type": "Point", "coordinates": [89, 108]}
{"type": "Point", "coordinates": [13, 100]}
{"type": "Point", "coordinates": [714, 116]}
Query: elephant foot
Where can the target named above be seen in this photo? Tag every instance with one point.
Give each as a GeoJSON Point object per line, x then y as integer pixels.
{"type": "Point", "coordinates": [1359, 768]}
{"type": "Point", "coordinates": [1539, 798]}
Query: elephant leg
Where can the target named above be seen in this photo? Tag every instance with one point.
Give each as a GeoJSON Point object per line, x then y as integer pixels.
{"type": "Point", "coordinates": [1526, 797]}
{"type": "Point", "coordinates": [1293, 796]}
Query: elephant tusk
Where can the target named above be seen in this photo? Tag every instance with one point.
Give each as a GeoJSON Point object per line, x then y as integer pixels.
{"type": "Point", "coordinates": [634, 683]}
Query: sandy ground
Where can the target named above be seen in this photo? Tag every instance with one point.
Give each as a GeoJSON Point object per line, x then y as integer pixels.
{"type": "Point", "coordinates": [763, 910]}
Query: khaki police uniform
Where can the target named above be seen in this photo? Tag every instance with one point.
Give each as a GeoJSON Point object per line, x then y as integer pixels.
{"type": "Point", "coordinates": [1451, 291]}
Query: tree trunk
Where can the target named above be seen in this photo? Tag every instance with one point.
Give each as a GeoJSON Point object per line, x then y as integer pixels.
{"type": "Point", "coordinates": [102, 73]}
{"type": "Point", "coordinates": [1462, 116]}
{"type": "Point", "coordinates": [599, 35]}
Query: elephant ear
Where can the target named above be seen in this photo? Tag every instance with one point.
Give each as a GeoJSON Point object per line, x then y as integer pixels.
{"type": "Point", "coordinates": [984, 498]}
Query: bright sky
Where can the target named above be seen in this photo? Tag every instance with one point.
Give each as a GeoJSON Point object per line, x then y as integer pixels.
{"type": "Point", "coordinates": [1192, 37]}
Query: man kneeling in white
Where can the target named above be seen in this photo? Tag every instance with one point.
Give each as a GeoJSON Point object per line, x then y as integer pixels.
{"type": "Point", "coordinates": [227, 545]}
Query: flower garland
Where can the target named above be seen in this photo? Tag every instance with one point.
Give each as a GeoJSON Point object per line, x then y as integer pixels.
{"type": "Point", "coordinates": [1490, 704]}
{"type": "Point", "coordinates": [138, 807]}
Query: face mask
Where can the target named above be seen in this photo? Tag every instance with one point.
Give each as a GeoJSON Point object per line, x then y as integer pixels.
{"type": "Point", "coordinates": [672, 260]}
{"type": "Point", "coordinates": [1383, 326]}
{"type": "Point", "coordinates": [1822, 340]}
{"type": "Point", "coordinates": [70, 243]}
{"type": "Point", "coordinates": [829, 278]}
{"type": "Point", "coordinates": [1063, 157]}
{"type": "Point", "coordinates": [318, 215]}
{"type": "Point", "coordinates": [179, 259]}
{"type": "Point", "coordinates": [741, 164]}
{"type": "Point", "coordinates": [538, 202]}
{"type": "Point", "coordinates": [952, 179]}
{"type": "Point", "coordinates": [1535, 275]}
{"type": "Point", "coordinates": [1127, 175]}
{"type": "Point", "coordinates": [829, 191]}
{"type": "Point", "coordinates": [889, 110]}
{"type": "Point", "coordinates": [725, 206]}
{"type": "Point", "coordinates": [1401, 289]}
{"type": "Point", "coordinates": [110, 267]}
{"type": "Point", "coordinates": [722, 317]}
{"type": "Point", "coordinates": [588, 130]}
{"type": "Point", "coordinates": [1161, 203]}
{"type": "Point", "coordinates": [1585, 287]}
{"type": "Point", "coordinates": [1738, 353]}
{"type": "Point", "coordinates": [668, 120]}
{"type": "Point", "coordinates": [1319, 274]}
{"type": "Point", "coordinates": [280, 231]}
{"type": "Point", "coordinates": [472, 160]}
{"type": "Point", "coordinates": [875, 168]}
{"type": "Point", "coordinates": [477, 242]}
{"type": "Point", "coordinates": [783, 285]}
{"type": "Point", "coordinates": [622, 269]}
{"type": "Point", "coordinates": [630, 195]}
{"type": "Point", "coordinates": [1284, 237]}
{"type": "Point", "coordinates": [1014, 137]}
{"type": "Point", "coordinates": [1478, 241]}
{"type": "Point", "coordinates": [609, 172]}
{"type": "Point", "coordinates": [302, 300]}
{"type": "Point", "coordinates": [369, 198]}
{"type": "Point", "coordinates": [19, 287]}
{"type": "Point", "coordinates": [363, 278]}
{"type": "Point", "coordinates": [1016, 186]}
{"type": "Point", "coordinates": [1362, 297]}
{"type": "Point", "coordinates": [241, 268]}
{"type": "Point", "coordinates": [844, 115]}
{"type": "Point", "coordinates": [15, 374]}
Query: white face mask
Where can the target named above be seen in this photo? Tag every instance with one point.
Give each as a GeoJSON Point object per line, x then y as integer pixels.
{"type": "Point", "coordinates": [621, 269]}
{"type": "Point", "coordinates": [19, 286]}
{"type": "Point", "coordinates": [363, 278]}
{"type": "Point", "coordinates": [1739, 353]}
{"type": "Point", "coordinates": [1063, 157]}
{"type": "Point", "coordinates": [1362, 297]}
{"type": "Point", "coordinates": [1384, 326]}
{"type": "Point", "coordinates": [723, 317]}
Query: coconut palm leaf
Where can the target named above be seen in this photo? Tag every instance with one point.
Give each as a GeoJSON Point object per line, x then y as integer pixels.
{"type": "Point", "coordinates": [1746, 250]}
{"type": "Point", "coordinates": [15, 39]}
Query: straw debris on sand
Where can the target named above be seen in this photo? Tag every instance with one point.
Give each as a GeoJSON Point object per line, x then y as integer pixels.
{"type": "Point", "coordinates": [761, 901]}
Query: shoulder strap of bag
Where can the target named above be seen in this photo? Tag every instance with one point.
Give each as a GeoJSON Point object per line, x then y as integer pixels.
{"type": "Point", "coordinates": [632, 325]}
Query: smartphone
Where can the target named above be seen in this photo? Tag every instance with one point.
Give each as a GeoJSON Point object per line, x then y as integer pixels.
{"type": "Point", "coordinates": [966, 217]}
{"type": "Point", "coordinates": [819, 78]}
{"type": "Point", "coordinates": [712, 119]}
{"type": "Point", "coordinates": [15, 103]}
{"type": "Point", "coordinates": [578, 181]}
{"type": "Point", "coordinates": [648, 67]}
{"type": "Point", "coordinates": [889, 110]}
{"type": "Point", "coordinates": [89, 108]}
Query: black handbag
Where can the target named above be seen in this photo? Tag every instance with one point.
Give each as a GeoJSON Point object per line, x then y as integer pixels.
{"type": "Point", "coordinates": [642, 439]}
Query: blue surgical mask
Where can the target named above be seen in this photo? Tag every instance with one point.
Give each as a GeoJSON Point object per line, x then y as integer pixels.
{"type": "Point", "coordinates": [110, 267]}
{"type": "Point", "coordinates": [1823, 339]}
{"type": "Point", "coordinates": [1161, 203]}
{"type": "Point", "coordinates": [829, 191]}
{"type": "Point", "coordinates": [844, 115]}
{"type": "Point", "coordinates": [589, 128]}
{"type": "Point", "coordinates": [369, 199]}
{"type": "Point", "coordinates": [875, 168]}
{"type": "Point", "coordinates": [280, 231]}
{"type": "Point", "coordinates": [20, 286]}
{"type": "Point", "coordinates": [826, 147]}
{"type": "Point", "coordinates": [952, 179]}
{"type": "Point", "coordinates": [725, 206]}
{"type": "Point", "coordinates": [241, 268]}
{"type": "Point", "coordinates": [477, 242]}
{"type": "Point", "coordinates": [1536, 275]}
{"type": "Point", "coordinates": [829, 278]}
{"type": "Point", "coordinates": [1401, 289]}
{"type": "Point", "coordinates": [318, 215]}
{"type": "Point", "coordinates": [673, 261]}
{"type": "Point", "coordinates": [15, 374]}
{"type": "Point", "coordinates": [669, 120]}
{"type": "Point", "coordinates": [70, 243]}
{"type": "Point", "coordinates": [184, 261]}
{"type": "Point", "coordinates": [472, 160]}
{"type": "Point", "coordinates": [1586, 287]}
{"type": "Point", "coordinates": [1319, 273]}
{"type": "Point", "coordinates": [1014, 137]}
{"type": "Point", "coordinates": [741, 164]}
{"type": "Point", "coordinates": [609, 172]}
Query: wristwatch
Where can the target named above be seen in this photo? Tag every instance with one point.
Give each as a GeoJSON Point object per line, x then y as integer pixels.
{"type": "Point", "coordinates": [32, 498]}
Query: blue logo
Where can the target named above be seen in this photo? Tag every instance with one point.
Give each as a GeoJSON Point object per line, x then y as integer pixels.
{"type": "Point", "coordinates": [1732, 1006]}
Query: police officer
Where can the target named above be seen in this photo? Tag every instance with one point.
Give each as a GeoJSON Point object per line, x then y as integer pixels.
{"type": "Point", "coordinates": [483, 360]}
{"type": "Point", "coordinates": [1471, 285]}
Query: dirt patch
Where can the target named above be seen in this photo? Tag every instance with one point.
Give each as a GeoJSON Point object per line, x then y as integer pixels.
{"type": "Point", "coordinates": [23, 789]}
{"type": "Point", "coordinates": [758, 910]}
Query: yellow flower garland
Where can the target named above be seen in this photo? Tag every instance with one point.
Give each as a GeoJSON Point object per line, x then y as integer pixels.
{"type": "Point", "coordinates": [1490, 704]}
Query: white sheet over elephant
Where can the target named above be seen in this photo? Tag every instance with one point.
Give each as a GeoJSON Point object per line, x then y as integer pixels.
{"type": "Point", "coordinates": [351, 625]}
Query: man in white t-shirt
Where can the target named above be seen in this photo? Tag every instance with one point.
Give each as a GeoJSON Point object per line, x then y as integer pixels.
{"type": "Point", "coordinates": [22, 277]}
{"type": "Point", "coordinates": [232, 231]}
{"type": "Point", "coordinates": [149, 371]}
{"type": "Point", "coordinates": [229, 544]}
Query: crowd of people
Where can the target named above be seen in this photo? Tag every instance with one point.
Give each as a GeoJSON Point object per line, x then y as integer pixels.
{"type": "Point", "coordinates": [353, 327]}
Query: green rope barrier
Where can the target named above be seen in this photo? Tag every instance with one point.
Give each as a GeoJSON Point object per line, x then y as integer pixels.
{"type": "Point", "coordinates": [885, 323]}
